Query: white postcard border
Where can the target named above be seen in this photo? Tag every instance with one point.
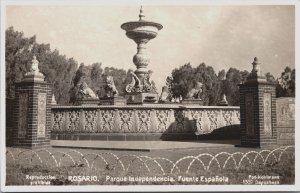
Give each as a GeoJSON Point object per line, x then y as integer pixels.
{"type": "Point", "coordinates": [109, 188]}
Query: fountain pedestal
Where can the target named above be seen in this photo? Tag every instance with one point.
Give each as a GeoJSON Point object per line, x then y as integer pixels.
{"type": "Point", "coordinates": [141, 89]}
{"type": "Point", "coordinates": [141, 98]}
{"type": "Point", "coordinates": [192, 102]}
{"type": "Point", "coordinates": [114, 100]}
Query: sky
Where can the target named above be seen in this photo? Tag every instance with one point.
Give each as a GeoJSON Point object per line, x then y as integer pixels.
{"type": "Point", "coordinates": [219, 36]}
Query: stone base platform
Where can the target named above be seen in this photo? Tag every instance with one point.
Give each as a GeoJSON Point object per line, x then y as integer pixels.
{"type": "Point", "coordinates": [192, 102]}
{"type": "Point", "coordinates": [286, 135]}
{"type": "Point", "coordinates": [88, 101]}
{"type": "Point", "coordinates": [124, 137]}
{"type": "Point", "coordinates": [223, 103]}
{"type": "Point", "coordinates": [117, 100]}
{"type": "Point", "coordinates": [33, 146]}
{"type": "Point", "coordinates": [144, 145]}
{"type": "Point", "coordinates": [230, 134]}
{"type": "Point", "coordinates": [141, 98]}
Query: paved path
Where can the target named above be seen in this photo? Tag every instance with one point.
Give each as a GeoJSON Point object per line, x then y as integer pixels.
{"type": "Point", "coordinates": [143, 145]}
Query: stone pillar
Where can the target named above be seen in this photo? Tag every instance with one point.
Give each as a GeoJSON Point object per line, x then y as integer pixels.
{"type": "Point", "coordinates": [33, 110]}
{"type": "Point", "coordinates": [258, 110]}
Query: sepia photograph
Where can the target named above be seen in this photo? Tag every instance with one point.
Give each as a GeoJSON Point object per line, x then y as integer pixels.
{"type": "Point", "coordinates": [103, 96]}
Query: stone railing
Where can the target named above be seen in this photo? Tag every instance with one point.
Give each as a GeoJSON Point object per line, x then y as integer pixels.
{"type": "Point", "coordinates": [86, 122]}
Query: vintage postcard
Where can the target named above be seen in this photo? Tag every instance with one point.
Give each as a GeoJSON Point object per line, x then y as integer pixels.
{"type": "Point", "coordinates": [148, 96]}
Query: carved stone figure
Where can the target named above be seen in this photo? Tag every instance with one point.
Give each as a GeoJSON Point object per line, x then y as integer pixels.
{"type": "Point", "coordinates": [223, 102]}
{"type": "Point", "coordinates": [86, 91]}
{"type": "Point", "coordinates": [34, 73]}
{"type": "Point", "coordinates": [140, 84]}
{"type": "Point", "coordinates": [164, 94]}
{"type": "Point", "coordinates": [53, 101]}
{"type": "Point", "coordinates": [110, 88]}
{"type": "Point", "coordinates": [34, 65]}
{"type": "Point", "coordinates": [135, 84]}
{"type": "Point", "coordinates": [147, 86]}
{"type": "Point", "coordinates": [196, 92]}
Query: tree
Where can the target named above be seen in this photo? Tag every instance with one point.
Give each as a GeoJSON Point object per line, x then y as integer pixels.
{"type": "Point", "coordinates": [95, 77]}
{"type": "Point", "coordinates": [17, 58]}
{"type": "Point", "coordinates": [96, 73]}
{"type": "Point", "coordinates": [221, 78]}
{"type": "Point", "coordinates": [270, 78]}
{"type": "Point", "coordinates": [233, 78]}
{"type": "Point", "coordinates": [58, 70]}
{"type": "Point", "coordinates": [286, 83]}
{"type": "Point", "coordinates": [80, 76]}
{"type": "Point", "coordinates": [186, 77]}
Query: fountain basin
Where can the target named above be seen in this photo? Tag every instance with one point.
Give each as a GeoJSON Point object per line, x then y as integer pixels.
{"type": "Point", "coordinates": [141, 29]}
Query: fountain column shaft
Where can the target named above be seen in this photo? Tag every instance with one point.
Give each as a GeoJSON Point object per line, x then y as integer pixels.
{"type": "Point", "coordinates": [141, 60]}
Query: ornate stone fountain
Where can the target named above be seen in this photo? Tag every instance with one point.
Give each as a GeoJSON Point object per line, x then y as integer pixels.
{"type": "Point", "coordinates": [141, 90]}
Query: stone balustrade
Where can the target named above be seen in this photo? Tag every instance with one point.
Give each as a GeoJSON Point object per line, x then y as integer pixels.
{"type": "Point", "coordinates": [86, 122]}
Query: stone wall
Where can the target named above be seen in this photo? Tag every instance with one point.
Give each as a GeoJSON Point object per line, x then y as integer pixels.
{"type": "Point", "coordinates": [144, 122]}
{"type": "Point", "coordinates": [285, 108]}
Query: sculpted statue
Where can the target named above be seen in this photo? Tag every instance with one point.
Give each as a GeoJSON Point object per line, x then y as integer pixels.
{"type": "Point", "coordinates": [164, 94]}
{"type": "Point", "coordinates": [196, 92]}
{"type": "Point", "coordinates": [110, 88]}
{"type": "Point", "coordinates": [135, 84]}
{"type": "Point", "coordinates": [86, 91]}
{"type": "Point", "coordinates": [140, 85]}
{"type": "Point", "coordinates": [34, 65]}
{"type": "Point", "coordinates": [146, 83]}
{"type": "Point", "coordinates": [34, 72]}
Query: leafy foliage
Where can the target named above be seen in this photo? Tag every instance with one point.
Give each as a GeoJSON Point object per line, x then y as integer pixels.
{"type": "Point", "coordinates": [233, 78]}
{"type": "Point", "coordinates": [58, 69]}
{"type": "Point", "coordinates": [61, 72]}
{"type": "Point", "coordinates": [286, 83]}
{"type": "Point", "coordinates": [186, 77]}
{"type": "Point", "coordinates": [64, 75]}
{"type": "Point", "coordinates": [95, 77]}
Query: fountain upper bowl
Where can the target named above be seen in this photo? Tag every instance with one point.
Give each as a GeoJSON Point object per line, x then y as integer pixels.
{"type": "Point", "coordinates": [138, 30]}
{"type": "Point", "coordinates": [141, 26]}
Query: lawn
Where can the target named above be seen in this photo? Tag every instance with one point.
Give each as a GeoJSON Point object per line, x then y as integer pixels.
{"type": "Point", "coordinates": [61, 166]}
